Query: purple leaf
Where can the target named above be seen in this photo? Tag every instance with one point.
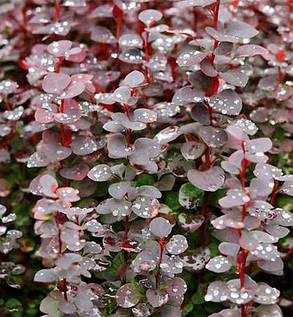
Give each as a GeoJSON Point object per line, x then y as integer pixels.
{"type": "Point", "coordinates": [149, 16]}
{"type": "Point", "coordinates": [160, 227]}
{"type": "Point", "coordinates": [177, 244]}
{"type": "Point", "coordinates": [219, 264]}
{"type": "Point", "coordinates": [226, 102]}
{"type": "Point", "coordinates": [126, 296]}
{"type": "Point", "coordinates": [209, 180]}
{"type": "Point", "coordinates": [100, 173]}
{"type": "Point", "coordinates": [235, 77]}
{"type": "Point", "coordinates": [192, 150]}
{"type": "Point", "coordinates": [55, 83]}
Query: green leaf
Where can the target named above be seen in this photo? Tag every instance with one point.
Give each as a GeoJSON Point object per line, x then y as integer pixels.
{"type": "Point", "coordinates": [144, 179]}
{"type": "Point", "coordinates": [198, 298]}
{"type": "Point", "coordinates": [172, 200]}
{"type": "Point", "coordinates": [190, 197]}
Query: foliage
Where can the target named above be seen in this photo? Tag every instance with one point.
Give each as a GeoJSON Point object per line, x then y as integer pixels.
{"type": "Point", "coordinates": [146, 158]}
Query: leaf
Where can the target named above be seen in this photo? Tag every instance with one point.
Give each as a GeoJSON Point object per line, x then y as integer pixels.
{"type": "Point", "coordinates": [226, 102]}
{"type": "Point", "coordinates": [235, 77]}
{"type": "Point", "coordinates": [190, 196]}
{"type": "Point", "coordinates": [209, 180]}
{"type": "Point", "coordinates": [55, 83]}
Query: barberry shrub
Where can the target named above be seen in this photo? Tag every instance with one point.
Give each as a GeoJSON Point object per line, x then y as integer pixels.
{"type": "Point", "coordinates": [146, 158]}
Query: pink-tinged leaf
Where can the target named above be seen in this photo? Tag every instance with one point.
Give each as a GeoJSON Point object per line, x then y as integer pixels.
{"type": "Point", "coordinates": [209, 180]}
{"type": "Point", "coordinates": [150, 16]}
{"type": "Point", "coordinates": [258, 145]}
{"type": "Point", "coordinates": [217, 292]}
{"type": "Point", "coordinates": [235, 77]}
{"type": "Point", "coordinates": [246, 125]}
{"type": "Point", "coordinates": [124, 121]}
{"type": "Point", "coordinates": [287, 188]}
{"type": "Point", "coordinates": [101, 34]}
{"type": "Point", "coordinates": [207, 68]}
{"type": "Point", "coordinates": [119, 208]}
{"type": "Point", "coordinates": [283, 217]}
{"type": "Point", "coordinates": [76, 55]}
{"type": "Point", "coordinates": [45, 276]}
{"type": "Point", "coordinates": [167, 135]}
{"type": "Point", "coordinates": [147, 190]}
{"type": "Point", "coordinates": [126, 296]}
{"type": "Point", "coordinates": [266, 294]}
{"type": "Point", "coordinates": [229, 248]}
{"type": "Point", "coordinates": [131, 56]}
{"type": "Point", "coordinates": [67, 260]}
{"type": "Point", "coordinates": [77, 85]}
{"type": "Point", "coordinates": [160, 227]}
{"type": "Point", "coordinates": [83, 145]}
{"type": "Point", "coordinates": [67, 194]}
{"type": "Point", "coordinates": [266, 251]}
{"type": "Point", "coordinates": [219, 264]}
{"type": "Point", "coordinates": [192, 150]}
{"type": "Point", "coordinates": [122, 94]}
{"type": "Point", "coordinates": [277, 231]}
{"type": "Point", "coordinates": [130, 41]}
{"type": "Point", "coordinates": [247, 241]}
{"type": "Point", "coordinates": [186, 95]}
{"type": "Point", "coordinates": [157, 298]}
{"type": "Point", "coordinates": [119, 190]}
{"type": "Point", "coordinates": [213, 137]}
{"type": "Point", "coordinates": [49, 185]}
{"type": "Point", "coordinates": [267, 171]}
{"type": "Point", "coordinates": [252, 50]}
{"type": "Point", "coordinates": [8, 87]}
{"type": "Point", "coordinates": [76, 172]}
{"type": "Point", "coordinates": [13, 115]}
{"type": "Point", "coordinates": [234, 198]}
{"type": "Point", "coordinates": [100, 173]}
{"type": "Point", "coordinates": [177, 244]}
{"type": "Point", "coordinates": [145, 115]}
{"type": "Point", "coordinates": [235, 32]}
{"type": "Point", "coordinates": [274, 267]}
{"type": "Point", "coordinates": [200, 113]}
{"type": "Point", "coordinates": [144, 262]}
{"type": "Point", "coordinates": [146, 207]}
{"type": "Point", "coordinates": [226, 102]}
{"type": "Point", "coordinates": [58, 48]}
{"type": "Point", "coordinates": [166, 183]}
{"type": "Point", "coordinates": [264, 237]}
{"type": "Point", "coordinates": [134, 79]}
{"type": "Point", "coordinates": [117, 147]}
{"type": "Point", "coordinates": [260, 187]}
{"type": "Point", "coordinates": [44, 116]}
{"type": "Point", "coordinates": [241, 295]}
{"type": "Point", "coordinates": [55, 83]}
{"type": "Point", "coordinates": [49, 306]}
{"type": "Point", "coordinates": [230, 221]}
{"type": "Point", "coordinates": [190, 58]}
{"type": "Point", "coordinates": [176, 287]}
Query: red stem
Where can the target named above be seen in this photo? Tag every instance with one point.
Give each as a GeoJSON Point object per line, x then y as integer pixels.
{"type": "Point", "coordinates": [274, 192]}
{"type": "Point", "coordinates": [147, 56]}
{"type": "Point", "coordinates": [57, 10]}
{"type": "Point", "coordinates": [244, 253]}
{"type": "Point", "coordinates": [5, 99]}
{"type": "Point", "coordinates": [64, 286]}
{"type": "Point", "coordinates": [162, 246]}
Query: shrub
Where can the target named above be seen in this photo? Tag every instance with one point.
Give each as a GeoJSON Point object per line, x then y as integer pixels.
{"type": "Point", "coordinates": [146, 157]}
